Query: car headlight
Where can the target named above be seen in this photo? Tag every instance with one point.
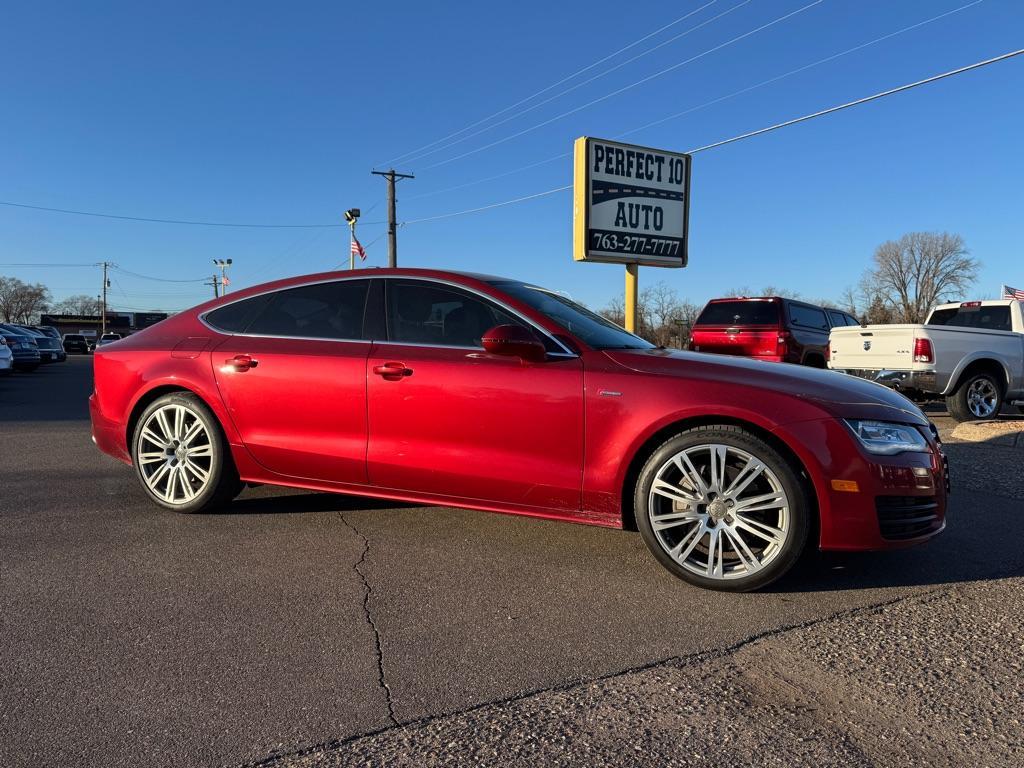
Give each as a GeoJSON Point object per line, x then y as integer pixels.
{"type": "Point", "coordinates": [887, 438]}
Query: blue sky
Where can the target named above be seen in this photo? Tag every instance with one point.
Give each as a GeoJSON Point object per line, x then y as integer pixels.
{"type": "Point", "coordinates": [268, 112]}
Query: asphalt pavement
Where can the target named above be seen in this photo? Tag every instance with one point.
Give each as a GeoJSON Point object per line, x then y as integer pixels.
{"type": "Point", "coordinates": [316, 629]}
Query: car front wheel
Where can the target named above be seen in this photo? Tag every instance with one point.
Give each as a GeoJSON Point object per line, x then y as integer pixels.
{"type": "Point", "coordinates": [722, 509]}
{"type": "Point", "coordinates": [181, 457]}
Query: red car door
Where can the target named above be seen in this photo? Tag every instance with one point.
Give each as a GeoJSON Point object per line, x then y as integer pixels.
{"type": "Point", "coordinates": [294, 379]}
{"type": "Point", "coordinates": [447, 418]}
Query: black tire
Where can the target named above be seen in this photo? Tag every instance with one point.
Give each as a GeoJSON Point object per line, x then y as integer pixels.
{"type": "Point", "coordinates": [780, 474]}
{"type": "Point", "coordinates": [222, 483]}
{"type": "Point", "coordinates": [959, 403]}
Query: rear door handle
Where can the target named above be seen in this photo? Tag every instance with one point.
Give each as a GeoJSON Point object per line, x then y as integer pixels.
{"type": "Point", "coordinates": [392, 370]}
{"type": "Point", "coordinates": [240, 363]}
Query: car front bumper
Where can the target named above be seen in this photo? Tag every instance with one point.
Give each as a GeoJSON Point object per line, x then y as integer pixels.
{"type": "Point", "coordinates": [869, 502]}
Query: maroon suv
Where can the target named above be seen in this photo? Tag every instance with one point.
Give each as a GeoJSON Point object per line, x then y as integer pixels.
{"type": "Point", "coordinates": [767, 328]}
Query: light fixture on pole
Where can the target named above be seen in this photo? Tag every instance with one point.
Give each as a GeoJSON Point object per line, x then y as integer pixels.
{"type": "Point", "coordinates": [223, 265]}
{"type": "Point", "coordinates": [352, 216]}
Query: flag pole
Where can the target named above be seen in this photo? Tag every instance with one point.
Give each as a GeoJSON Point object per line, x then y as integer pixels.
{"type": "Point", "coordinates": [351, 245]}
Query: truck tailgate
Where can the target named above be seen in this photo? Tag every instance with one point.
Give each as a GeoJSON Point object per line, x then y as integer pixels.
{"type": "Point", "coordinates": [874, 347]}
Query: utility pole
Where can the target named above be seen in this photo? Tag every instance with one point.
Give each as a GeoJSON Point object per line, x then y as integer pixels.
{"type": "Point", "coordinates": [391, 178]}
{"type": "Point", "coordinates": [224, 282]}
{"type": "Point", "coordinates": [213, 281]}
{"type": "Point", "coordinates": [103, 301]}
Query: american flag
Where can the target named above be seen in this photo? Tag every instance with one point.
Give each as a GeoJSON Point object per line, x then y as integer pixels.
{"type": "Point", "coordinates": [1013, 293]}
{"type": "Point", "coordinates": [357, 249]}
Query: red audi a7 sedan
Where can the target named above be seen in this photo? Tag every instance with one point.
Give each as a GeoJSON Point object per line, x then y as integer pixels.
{"type": "Point", "coordinates": [484, 392]}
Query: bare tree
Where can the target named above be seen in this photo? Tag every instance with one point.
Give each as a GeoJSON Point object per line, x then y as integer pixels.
{"type": "Point", "coordinates": [22, 302]}
{"type": "Point", "coordinates": [918, 271]}
{"type": "Point", "coordinates": [79, 304]}
{"type": "Point", "coordinates": [662, 317]}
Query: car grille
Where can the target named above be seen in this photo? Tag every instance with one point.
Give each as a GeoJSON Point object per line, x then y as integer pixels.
{"type": "Point", "coordinates": [906, 517]}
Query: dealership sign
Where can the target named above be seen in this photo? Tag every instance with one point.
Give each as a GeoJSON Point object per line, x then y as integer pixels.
{"type": "Point", "coordinates": [631, 204]}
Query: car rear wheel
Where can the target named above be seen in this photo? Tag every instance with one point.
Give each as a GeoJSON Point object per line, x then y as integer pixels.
{"type": "Point", "coordinates": [722, 509]}
{"type": "Point", "coordinates": [979, 396]}
{"type": "Point", "coordinates": [181, 457]}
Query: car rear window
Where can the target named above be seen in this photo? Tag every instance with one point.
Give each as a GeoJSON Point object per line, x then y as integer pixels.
{"type": "Point", "coordinates": [740, 313]}
{"type": "Point", "coordinates": [993, 318]}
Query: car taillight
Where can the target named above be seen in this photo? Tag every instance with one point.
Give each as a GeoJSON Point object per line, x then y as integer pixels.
{"type": "Point", "coordinates": [923, 351]}
{"type": "Point", "coordinates": [782, 344]}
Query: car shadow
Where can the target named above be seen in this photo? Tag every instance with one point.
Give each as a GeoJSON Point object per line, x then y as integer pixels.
{"type": "Point", "coordinates": [273, 500]}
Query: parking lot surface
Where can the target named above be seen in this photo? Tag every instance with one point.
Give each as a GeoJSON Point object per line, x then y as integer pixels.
{"type": "Point", "coordinates": [315, 629]}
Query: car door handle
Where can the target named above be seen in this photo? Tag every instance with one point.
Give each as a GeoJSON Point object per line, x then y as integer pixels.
{"type": "Point", "coordinates": [240, 363]}
{"type": "Point", "coordinates": [392, 370]}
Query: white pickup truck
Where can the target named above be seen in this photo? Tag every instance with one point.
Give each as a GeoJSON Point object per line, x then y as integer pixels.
{"type": "Point", "coordinates": [970, 353]}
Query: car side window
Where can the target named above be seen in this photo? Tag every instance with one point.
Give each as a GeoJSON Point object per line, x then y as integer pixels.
{"type": "Point", "coordinates": [320, 311]}
{"type": "Point", "coordinates": [808, 317]}
{"type": "Point", "coordinates": [236, 317]}
{"type": "Point", "coordinates": [837, 319]}
{"type": "Point", "coordinates": [421, 312]}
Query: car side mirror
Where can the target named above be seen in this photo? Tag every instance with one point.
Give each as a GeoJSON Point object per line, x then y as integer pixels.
{"type": "Point", "coordinates": [514, 341]}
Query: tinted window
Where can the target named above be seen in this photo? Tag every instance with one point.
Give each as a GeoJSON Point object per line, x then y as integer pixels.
{"type": "Point", "coordinates": [851, 320]}
{"type": "Point", "coordinates": [320, 311]}
{"type": "Point", "coordinates": [591, 328]}
{"type": "Point", "coordinates": [991, 318]}
{"type": "Point", "coordinates": [807, 317]}
{"type": "Point", "coordinates": [836, 319]}
{"type": "Point", "coordinates": [428, 313]}
{"type": "Point", "coordinates": [235, 317]}
{"type": "Point", "coordinates": [740, 313]}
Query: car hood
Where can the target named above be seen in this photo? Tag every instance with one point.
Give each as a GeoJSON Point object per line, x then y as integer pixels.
{"type": "Point", "coordinates": [839, 394]}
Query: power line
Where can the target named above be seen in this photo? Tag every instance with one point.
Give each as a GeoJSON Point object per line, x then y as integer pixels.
{"type": "Point", "coordinates": [706, 104]}
{"type": "Point", "coordinates": [542, 91]}
{"type": "Point", "coordinates": [156, 279]}
{"type": "Point", "coordinates": [179, 221]}
{"type": "Point", "coordinates": [798, 70]}
{"type": "Point", "coordinates": [582, 83]}
{"type": "Point", "coordinates": [48, 265]}
{"type": "Point", "coordinates": [864, 100]}
{"type": "Point", "coordinates": [750, 134]}
{"type": "Point", "coordinates": [625, 88]}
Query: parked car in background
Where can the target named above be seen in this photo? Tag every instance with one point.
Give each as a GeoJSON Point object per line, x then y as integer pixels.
{"type": "Point", "coordinates": [75, 344]}
{"type": "Point", "coordinates": [23, 347]}
{"type": "Point", "coordinates": [971, 353]}
{"type": "Point", "coordinates": [449, 388]}
{"type": "Point", "coordinates": [50, 349]}
{"type": "Point", "coordinates": [108, 338]}
{"type": "Point", "coordinates": [49, 330]}
{"type": "Point", "coordinates": [767, 328]}
{"type": "Point", "coordinates": [6, 357]}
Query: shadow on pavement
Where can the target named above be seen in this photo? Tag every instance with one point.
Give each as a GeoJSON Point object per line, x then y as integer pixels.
{"type": "Point", "coordinates": [66, 395]}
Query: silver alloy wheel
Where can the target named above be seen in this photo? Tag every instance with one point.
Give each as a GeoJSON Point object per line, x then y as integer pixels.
{"type": "Point", "coordinates": [719, 511]}
{"type": "Point", "coordinates": [175, 454]}
{"type": "Point", "coordinates": [982, 398]}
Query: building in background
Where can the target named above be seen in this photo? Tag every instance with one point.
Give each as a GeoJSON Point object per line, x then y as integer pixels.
{"type": "Point", "coordinates": [89, 325]}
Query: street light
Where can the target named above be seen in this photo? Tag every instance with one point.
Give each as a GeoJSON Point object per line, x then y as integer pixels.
{"type": "Point", "coordinates": [352, 216]}
{"type": "Point", "coordinates": [223, 264]}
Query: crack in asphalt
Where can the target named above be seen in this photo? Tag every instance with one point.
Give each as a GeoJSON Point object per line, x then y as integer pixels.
{"type": "Point", "coordinates": [378, 648]}
{"type": "Point", "coordinates": [686, 659]}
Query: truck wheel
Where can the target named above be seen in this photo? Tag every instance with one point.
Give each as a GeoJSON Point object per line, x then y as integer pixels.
{"type": "Point", "coordinates": [979, 396]}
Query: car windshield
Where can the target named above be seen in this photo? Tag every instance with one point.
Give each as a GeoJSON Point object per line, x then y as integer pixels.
{"type": "Point", "coordinates": [590, 328]}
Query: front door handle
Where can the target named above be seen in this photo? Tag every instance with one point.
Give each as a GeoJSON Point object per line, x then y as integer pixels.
{"type": "Point", "coordinates": [392, 370]}
{"type": "Point", "coordinates": [240, 363]}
